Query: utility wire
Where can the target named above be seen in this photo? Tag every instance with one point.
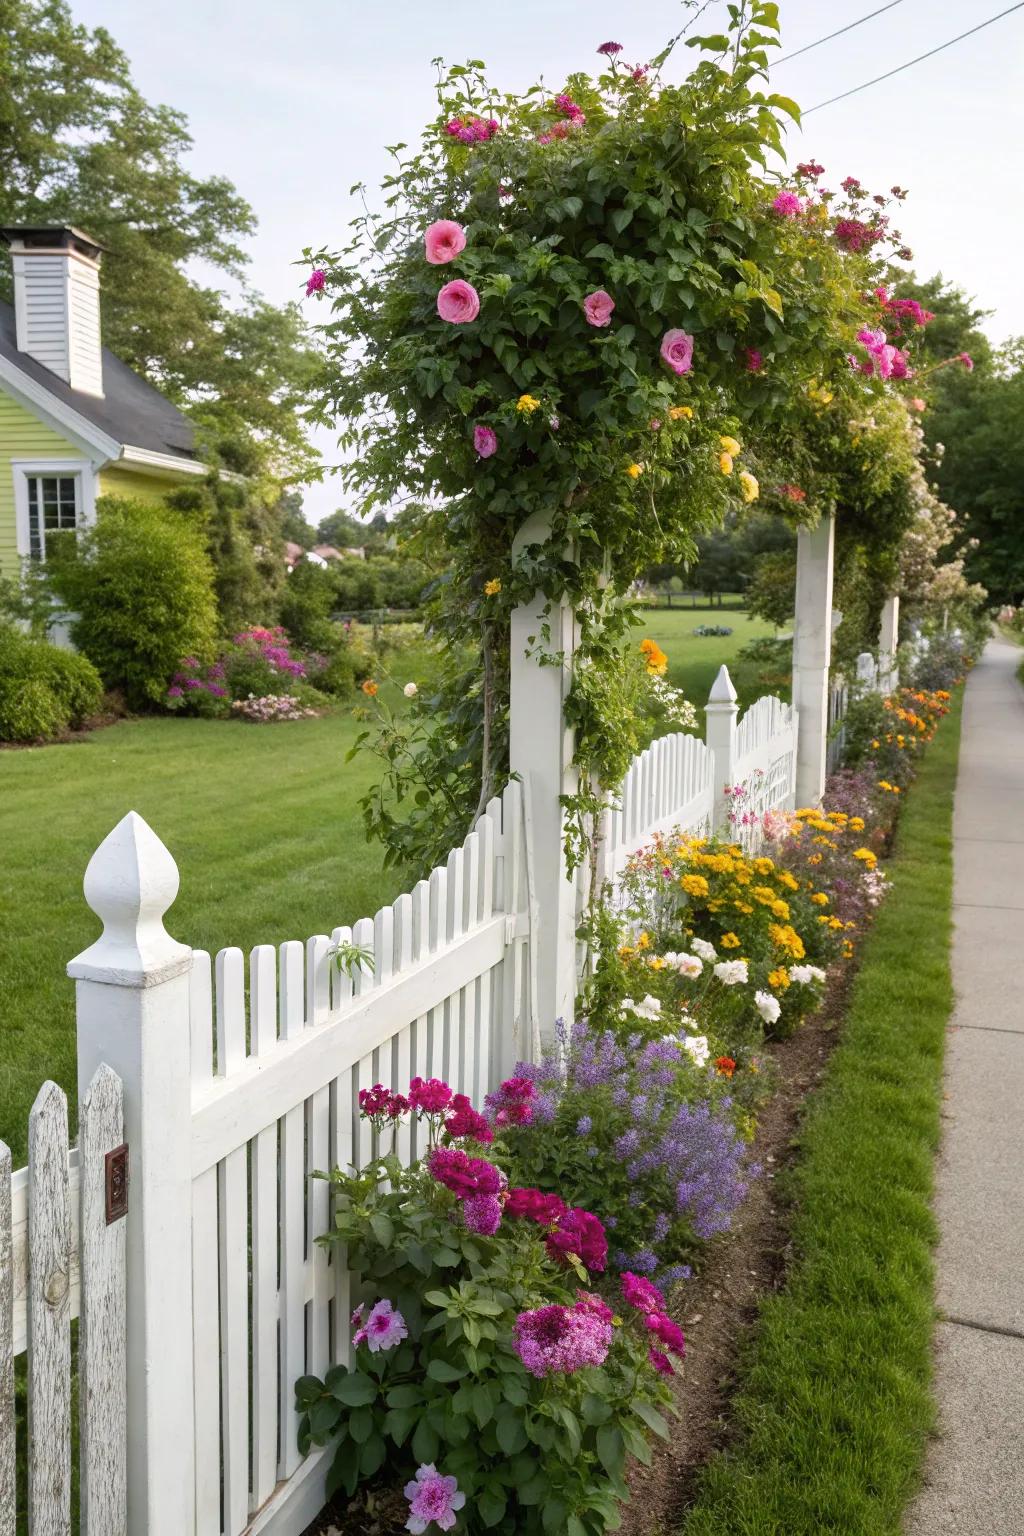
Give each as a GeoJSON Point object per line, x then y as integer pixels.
{"type": "Point", "coordinates": [911, 62]}
{"type": "Point", "coordinates": [785, 58]}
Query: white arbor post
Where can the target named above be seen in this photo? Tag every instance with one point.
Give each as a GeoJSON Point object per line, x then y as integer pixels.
{"type": "Point", "coordinates": [542, 645]}
{"type": "Point", "coordinates": [720, 735]}
{"type": "Point", "coordinates": [812, 649]}
{"type": "Point", "coordinates": [888, 642]}
{"type": "Point", "coordinates": [132, 1001]}
{"type": "Point", "coordinates": [867, 672]}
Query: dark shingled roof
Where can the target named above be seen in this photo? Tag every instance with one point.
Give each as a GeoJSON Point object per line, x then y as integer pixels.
{"type": "Point", "coordinates": [131, 410]}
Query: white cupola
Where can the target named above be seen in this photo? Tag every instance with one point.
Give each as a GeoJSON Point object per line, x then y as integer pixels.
{"type": "Point", "coordinates": [57, 302]}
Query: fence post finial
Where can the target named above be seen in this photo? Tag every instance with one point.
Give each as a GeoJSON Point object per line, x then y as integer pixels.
{"type": "Point", "coordinates": [130, 883]}
{"type": "Point", "coordinates": [720, 733]}
{"type": "Point", "coordinates": [132, 1013]}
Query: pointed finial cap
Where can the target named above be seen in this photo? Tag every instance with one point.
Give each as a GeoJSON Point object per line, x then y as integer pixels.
{"type": "Point", "coordinates": [130, 883]}
{"type": "Point", "coordinates": [722, 690]}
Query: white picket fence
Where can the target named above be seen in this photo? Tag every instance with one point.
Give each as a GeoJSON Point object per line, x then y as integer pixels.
{"type": "Point", "coordinates": [61, 1258]}
{"type": "Point", "coordinates": [241, 1078]}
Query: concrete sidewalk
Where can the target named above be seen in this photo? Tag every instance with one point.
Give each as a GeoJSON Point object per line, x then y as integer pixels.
{"type": "Point", "coordinates": [974, 1478]}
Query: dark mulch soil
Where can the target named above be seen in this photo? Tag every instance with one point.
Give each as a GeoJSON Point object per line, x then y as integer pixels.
{"type": "Point", "coordinates": [716, 1309]}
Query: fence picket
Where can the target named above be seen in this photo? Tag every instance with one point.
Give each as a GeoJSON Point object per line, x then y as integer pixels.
{"type": "Point", "coordinates": [205, 1280]}
{"type": "Point", "coordinates": [49, 1316]}
{"type": "Point", "coordinates": [402, 1068]}
{"type": "Point", "coordinates": [8, 1499]}
{"type": "Point", "coordinates": [264, 1229]}
{"type": "Point", "coordinates": [363, 981]}
{"type": "Point", "coordinates": [454, 1008]}
{"type": "Point", "coordinates": [318, 1143]}
{"type": "Point", "coordinates": [102, 1362]}
{"type": "Point", "coordinates": [293, 1210]}
{"type": "Point", "coordinates": [421, 1041]}
{"type": "Point", "coordinates": [341, 1157]}
{"type": "Point", "coordinates": [233, 1233]}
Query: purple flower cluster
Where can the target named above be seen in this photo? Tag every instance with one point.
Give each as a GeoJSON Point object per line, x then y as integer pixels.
{"type": "Point", "coordinates": [193, 678]}
{"type": "Point", "coordinates": [562, 1339]}
{"type": "Point", "coordinates": [271, 646]}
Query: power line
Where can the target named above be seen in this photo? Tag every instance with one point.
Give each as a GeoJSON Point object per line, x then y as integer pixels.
{"type": "Point", "coordinates": [785, 58]}
{"type": "Point", "coordinates": [911, 62]}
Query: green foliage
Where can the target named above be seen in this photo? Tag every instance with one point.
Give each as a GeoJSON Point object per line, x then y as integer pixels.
{"type": "Point", "coordinates": [141, 586]}
{"type": "Point", "coordinates": [95, 153]}
{"type": "Point", "coordinates": [771, 594]}
{"type": "Point", "coordinates": [531, 1456]}
{"type": "Point", "coordinates": [240, 520]}
{"type": "Point", "coordinates": [659, 198]}
{"type": "Point", "coordinates": [43, 689]}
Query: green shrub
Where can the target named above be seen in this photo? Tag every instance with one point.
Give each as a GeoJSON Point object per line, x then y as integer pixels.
{"type": "Point", "coordinates": [43, 689]}
{"type": "Point", "coordinates": [141, 585]}
{"type": "Point", "coordinates": [338, 674]}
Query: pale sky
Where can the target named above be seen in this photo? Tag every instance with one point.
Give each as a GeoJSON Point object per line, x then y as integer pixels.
{"type": "Point", "coordinates": [294, 102]}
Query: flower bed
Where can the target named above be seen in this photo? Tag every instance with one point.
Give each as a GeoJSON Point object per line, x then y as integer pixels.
{"type": "Point", "coordinates": [515, 1338]}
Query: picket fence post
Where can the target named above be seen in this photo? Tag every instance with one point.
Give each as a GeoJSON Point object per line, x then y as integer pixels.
{"type": "Point", "coordinates": [812, 650]}
{"type": "Point", "coordinates": [720, 714]}
{"type": "Point", "coordinates": [132, 1004]}
{"type": "Point", "coordinates": [540, 755]}
{"type": "Point", "coordinates": [888, 643]}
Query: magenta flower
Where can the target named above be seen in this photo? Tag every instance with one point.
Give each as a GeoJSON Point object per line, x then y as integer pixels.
{"type": "Point", "coordinates": [677, 351]}
{"type": "Point", "coordinates": [810, 169]}
{"type": "Point", "coordinates": [383, 1329]}
{"type": "Point", "coordinates": [755, 361]}
{"type": "Point", "coordinates": [465, 1121]}
{"type": "Point", "coordinates": [849, 184]}
{"type": "Point", "coordinates": [667, 1332]}
{"type": "Point", "coordinates": [482, 1214]}
{"type": "Point", "coordinates": [610, 49]}
{"type": "Point", "coordinates": [787, 205]}
{"type": "Point", "coordinates": [559, 1339]}
{"type": "Point", "coordinates": [458, 302]}
{"type": "Point", "coordinates": [642, 1294]}
{"type": "Point", "coordinates": [464, 1175]}
{"type": "Point", "coordinates": [315, 281]}
{"type": "Point", "coordinates": [598, 306]}
{"type": "Point", "coordinates": [485, 440]}
{"type": "Point", "coordinates": [443, 241]}
{"type": "Point", "coordinates": [430, 1097]}
{"type": "Point", "coordinates": [661, 1362]}
{"type": "Point", "coordinates": [534, 1205]}
{"type": "Point", "coordinates": [174, 693]}
{"type": "Point", "coordinates": [380, 1103]}
{"type": "Point", "coordinates": [581, 1234]}
{"type": "Point", "coordinates": [588, 1302]}
{"type": "Point", "coordinates": [433, 1500]}
{"type": "Point", "coordinates": [967, 360]}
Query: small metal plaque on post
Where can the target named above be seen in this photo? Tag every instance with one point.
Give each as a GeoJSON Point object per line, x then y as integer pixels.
{"type": "Point", "coordinates": [116, 1170]}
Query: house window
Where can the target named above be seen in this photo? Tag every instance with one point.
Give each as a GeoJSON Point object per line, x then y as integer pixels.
{"type": "Point", "coordinates": [53, 505]}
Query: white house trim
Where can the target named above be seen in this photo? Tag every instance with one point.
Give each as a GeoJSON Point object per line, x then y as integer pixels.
{"type": "Point", "coordinates": [159, 463]}
{"type": "Point", "coordinates": [23, 469]}
{"type": "Point", "coordinates": [79, 431]}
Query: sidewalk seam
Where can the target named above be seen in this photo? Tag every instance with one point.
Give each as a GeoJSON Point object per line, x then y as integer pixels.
{"type": "Point", "coordinates": [966, 1322]}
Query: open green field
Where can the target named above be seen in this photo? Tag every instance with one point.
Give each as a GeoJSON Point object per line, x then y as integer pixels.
{"type": "Point", "coordinates": [694, 660]}
{"type": "Point", "coordinates": [264, 825]}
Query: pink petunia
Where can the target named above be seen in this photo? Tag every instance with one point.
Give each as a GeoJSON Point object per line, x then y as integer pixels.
{"type": "Point", "coordinates": [458, 302]}
{"type": "Point", "coordinates": [677, 351]}
{"type": "Point", "coordinates": [443, 241]}
{"type": "Point", "coordinates": [485, 440]}
{"type": "Point", "coordinates": [433, 1500]}
{"type": "Point", "coordinates": [383, 1329]}
{"type": "Point", "coordinates": [598, 306]}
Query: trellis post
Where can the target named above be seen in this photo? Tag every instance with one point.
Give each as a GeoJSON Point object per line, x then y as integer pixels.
{"type": "Point", "coordinates": [888, 642]}
{"type": "Point", "coordinates": [132, 1003]}
{"type": "Point", "coordinates": [542, 646]}
{"type": "Point", "coordinates": [812, 648]}
{"type": "Point", "coordinates": [720, 714]}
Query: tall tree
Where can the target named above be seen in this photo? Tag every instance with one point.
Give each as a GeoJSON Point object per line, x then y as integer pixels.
{"type": "Point", "coordinates": [79, 144]}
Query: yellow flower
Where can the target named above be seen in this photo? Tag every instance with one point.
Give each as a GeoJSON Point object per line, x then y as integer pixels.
{"type": "Point", "coordinates": [748, 484]}
{"type": "Point", "coordinates": [788, 939]}
{"type": "Point", "coordinates": [730, 445]}
{"type": "Point", "coordinates": [820, 899]}
{"type": "Point", "coordinates": [680, 412]}
{"type": "Point", "coordinates": [730, 941]}
{"type": "Point", "coordinates": [764, 865]}
{"type": "Point", "coordinates": [492, 587]}
{"type": "Point", "coordinates": [725, 463]}
{"type": "Point", "coordinates": [656, 962]}
{"type": "Point", "coordinates": [644, 941]}
{"type": "Point", "coordinates": [866, 857]}
{"type": "Point", "coordinates": [780, 909]}
{"type": "Point", "coordinates": [635, 471]}
{"type": "Point", "coordinates": [694, 885]}
{"type": "Point", "coordinates": [654, 656]}
{"type": "Point", "coordinates": [787, 880]}
{"type": "Point", "coordinates": [834, 922]}
{"type": "Point", "coordinates": [369, 687]}
{"type": "Point", "coordinates": [527, 403]}
{"type": "Point", "coordinates": [778, 979]}
{"type": "Point", "coordinates": [856, 824]}
{"type": "Point", "coordinates": [744, 907]}
{"type": "Point", "coordinates": [814, 858]}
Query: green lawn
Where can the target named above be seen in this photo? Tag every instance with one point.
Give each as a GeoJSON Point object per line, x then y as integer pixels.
{"type": "Point", "coordinates": [834, 1408]}
{"type": "Point", "coordinates": [694, 660]}
{"type": "Point", "coordinates": [263, 824]}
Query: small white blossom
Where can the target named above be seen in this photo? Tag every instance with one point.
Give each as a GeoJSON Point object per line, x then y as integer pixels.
{"type": "Point", "coordinates": [648, 1008]}
{"type": "Point", "coordinates": [730, 972]}
{"type": "Point", "coordinates": [704, 949]}
{"type": "Point", "coordinates": [686, 965]}
{"type": "Point", "coordinates": [805, 974]}
{"type": "Point", "coordinates": [699, 1049]}
{"type": "Point", "coordinates": [410, 690]}
{"type": "Point", "coordinates": [767, 1006]}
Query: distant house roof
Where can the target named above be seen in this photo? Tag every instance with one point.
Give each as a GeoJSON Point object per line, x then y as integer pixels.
{"type": "Point", "coordinates": [131, 411]}
{"type": "Point", "coordinates": [327, 552]}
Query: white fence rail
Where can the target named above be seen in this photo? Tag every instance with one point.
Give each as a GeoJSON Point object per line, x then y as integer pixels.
{"type": "Point", "coordinates": [60, 1257]}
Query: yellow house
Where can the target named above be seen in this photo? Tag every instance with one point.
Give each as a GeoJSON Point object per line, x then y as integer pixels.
{"type": "Point", "coordinates": [75, 422]}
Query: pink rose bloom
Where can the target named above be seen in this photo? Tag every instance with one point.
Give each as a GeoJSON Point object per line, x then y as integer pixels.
{"type": "Point", "coordinates": [315, 282]}
{"type": "Point", "coordinates": [967, 360]}
{"type": "Point", "coordinates": [485, 441]}
{"type": "Point", "coordinates": [677, 351]}
{"type": "Point", "coordinates": [917, 404]}
{"type": "Point", "coordinates": [598, 306]}
{"type": "Point", "coordinates": [443, 241]}
{"type": "Point", "coordinates": [458, 302]}
{"type": "Point", "coordinates": [754, 360]}
{"type": "Point", "coordinates": [787, 205]}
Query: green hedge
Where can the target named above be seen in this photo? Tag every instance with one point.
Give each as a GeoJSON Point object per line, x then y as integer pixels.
{"type": "Point", "coordinates": [43, 689]}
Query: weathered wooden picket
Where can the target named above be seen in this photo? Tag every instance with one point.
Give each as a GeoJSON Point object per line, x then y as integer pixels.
{"type": "Point", "coordinates": [61, 1258]}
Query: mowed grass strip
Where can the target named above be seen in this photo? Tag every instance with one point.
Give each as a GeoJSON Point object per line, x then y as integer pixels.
{"type": "Point", "coordinates": [834, 1407]}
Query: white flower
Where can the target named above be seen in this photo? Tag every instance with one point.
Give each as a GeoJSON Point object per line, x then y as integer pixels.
{"type": "Point", "coordinates": [649, 1008]}
{"type": "Point", "coordinates": [729, 972]}
{"type": "Point", "coordinates": [410, 690]}
{"type": "Point", "coordinates": [686, 965]}
{"type": "Point", "coordinates": [767, 1006]}
{"type": "Point", "coordinates": [698, 1047]}
{"type": "Point", "coordinates": [704, 949]}
{"type": "Point", "coordinates": [805, 974]}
